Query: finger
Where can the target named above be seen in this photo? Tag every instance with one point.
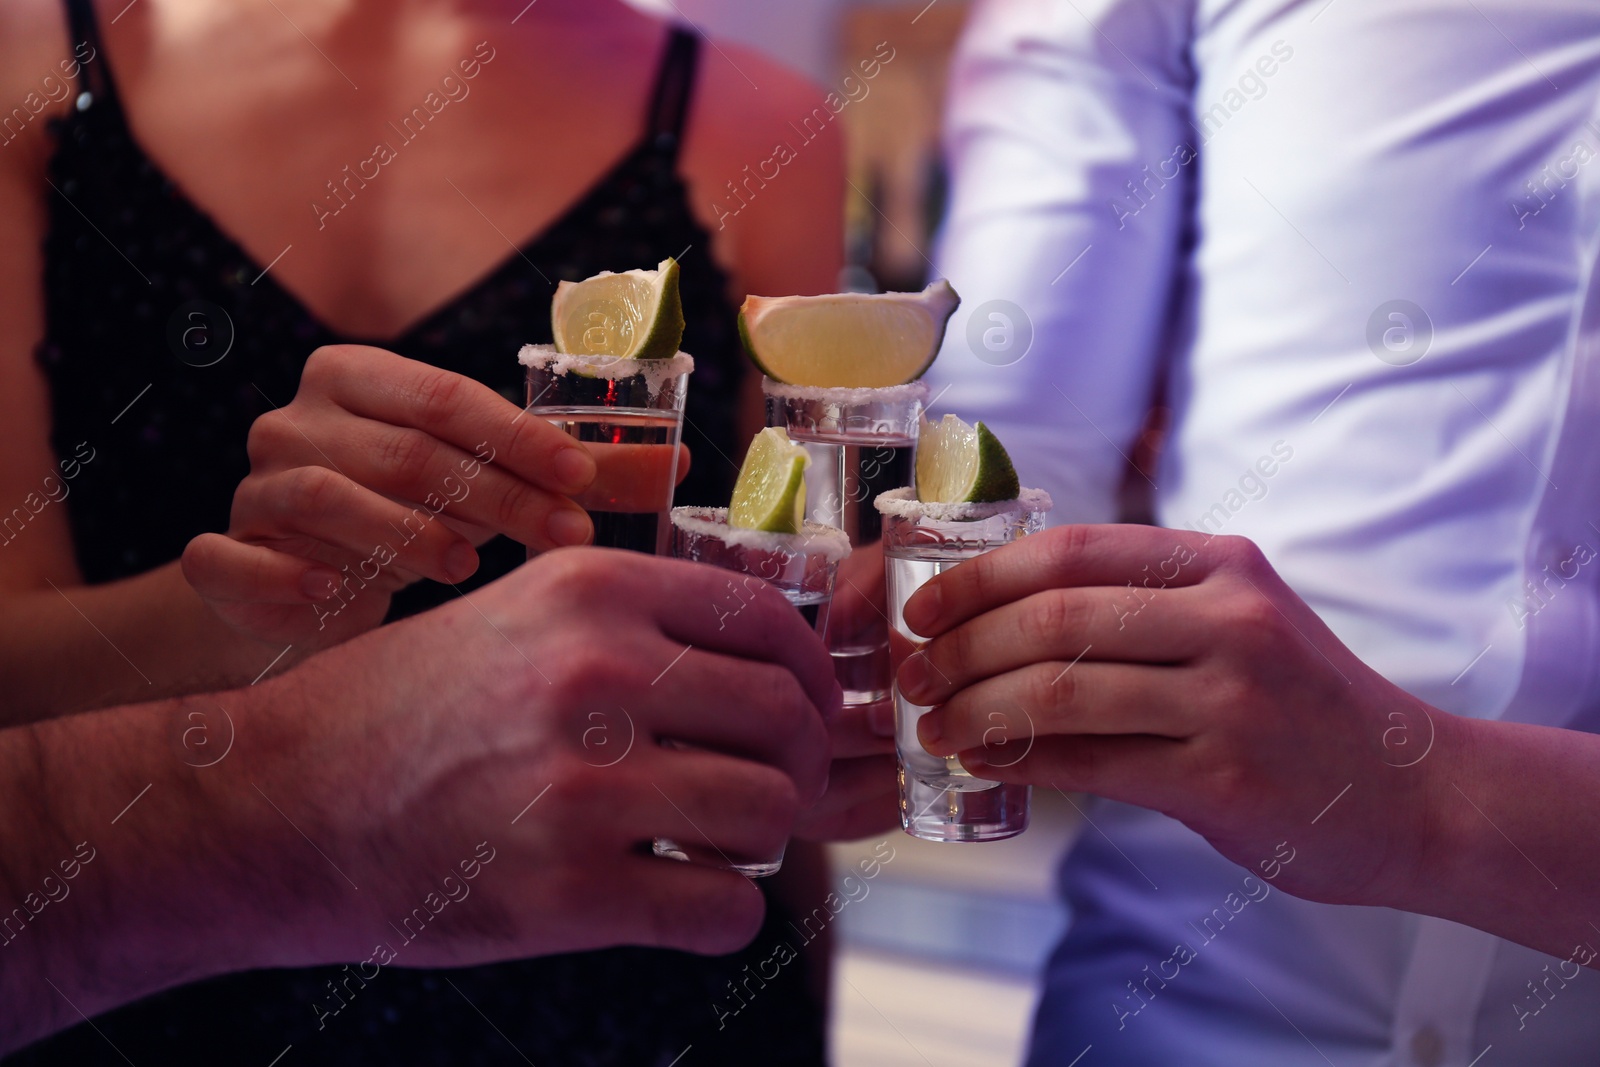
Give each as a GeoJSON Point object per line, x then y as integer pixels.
{"type": "Point", "coordinates": [682, 906]}
{"type": "Point", "coordinates": [760, 712]}
{"type": "Point", "coordinates": [633, 478]}
{"type": "Point", "coordinates": [323, 506]}
{"type": "Point", "coordinates": [1057, 624]}
{"type": "Point", "coordinates": [1147, 557]}
{"type": "Point", "coordinates": [722, 612]}
{"type": "Point", "coordinates": [436, 477]}
{"type": "Point", "coordinates": [862, 730]}
{"type": "Point", "coordinates": [1013, 711]}
{"type": "Point", "coordinates": [222, 569]}
{"type": "Point", "coordinates": [863, 797]}
{"type": "Point", "coordinates": [1147, 771]}
{"type": "Point", "coordinates": [457, 410]}
{"type": "Point", "coordinates": [717, 806]}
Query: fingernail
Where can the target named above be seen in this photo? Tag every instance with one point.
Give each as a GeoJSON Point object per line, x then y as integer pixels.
{"type": "Point", "coordinates": [913, 677]}
{"type": "Point", "coordinates": [880, 719]}
{"type": "Point", "coordinates": [461, 561]}
{"type": "Point", "coordinates": [575, 469]}
{"type": "Point", "coordinates": [929, 734]}
{"type": "Point", "coordinates": [570, 526]}
{"type": "Point", "coordinates": [922, 610]}
{"type": "Point", "coordinates": [319, 585]}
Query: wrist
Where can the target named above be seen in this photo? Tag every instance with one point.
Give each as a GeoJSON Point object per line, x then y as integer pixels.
{"type": "Point", "coordinates": [1438, 845]}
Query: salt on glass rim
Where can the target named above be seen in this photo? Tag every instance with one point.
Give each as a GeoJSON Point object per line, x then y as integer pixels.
{"type": "Point", "coordinates": [889, 394]}
{"type": "Point", "coordinates": [545, 357]}
{"type": "Point", "coordinates": [814, 538]}
{"type": "Point", "coordinates": [903, 503]}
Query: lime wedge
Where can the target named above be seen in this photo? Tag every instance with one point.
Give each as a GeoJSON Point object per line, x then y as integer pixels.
{"type": "Point", "coordinates": [635, 314]}
{"type": "Point", "coordinates": [847, 340]}
{"type": "Point", "coordinates": [770, 494]}
{"type": "Point", "coordinates": [962, 464]}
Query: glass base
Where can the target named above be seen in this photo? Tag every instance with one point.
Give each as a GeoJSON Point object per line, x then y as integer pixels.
{"type": "Point", "coordinates": [862, 671]}
{"type": "Point", "coordinates": [661, 846]}
{"type": "Point", "coordinates": [936, 813]}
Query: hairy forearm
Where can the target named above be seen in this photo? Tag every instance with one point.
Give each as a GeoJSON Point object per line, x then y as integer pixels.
{"type": "Point", "coordinates": [1507, 846]}
{"type": "Point", "coordinates": [131, 863]}
{"type": "Point", "coordinates": [145, 638]}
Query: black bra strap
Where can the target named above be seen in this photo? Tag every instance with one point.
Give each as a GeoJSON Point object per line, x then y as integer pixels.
{"type": "Point", "coordinates": [674, 88]}
{"type": "Point", "coordinates": [85, 29]}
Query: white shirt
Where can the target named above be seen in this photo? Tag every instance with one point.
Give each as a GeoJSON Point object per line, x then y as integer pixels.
{"type": "Point", "coordinates": [1296, 169]}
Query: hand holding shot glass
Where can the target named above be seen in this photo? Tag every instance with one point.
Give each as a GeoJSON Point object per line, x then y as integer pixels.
{"type": "Point", "coordinates": [616, 381]}
{"type": "Point", "coordinates": [761, 537]}
{"type": "Point", "coordinates": [967, 501]}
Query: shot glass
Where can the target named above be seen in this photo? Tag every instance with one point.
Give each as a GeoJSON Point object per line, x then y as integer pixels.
{"type": "Point", "coordinates": [629, 413]}
{"type": "Point", "coordinates": [939, 799]}
{"type": "Point", "coordinates": [802, 566]}
{"type": "Point", "coordinates": [862, 442]}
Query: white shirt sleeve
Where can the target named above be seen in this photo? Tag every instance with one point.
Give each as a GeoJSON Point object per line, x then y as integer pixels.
{"type": "Point", "coordinates": [1072, 170]}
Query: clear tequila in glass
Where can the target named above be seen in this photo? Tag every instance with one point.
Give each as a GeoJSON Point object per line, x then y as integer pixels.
{"type": "Point", "coordinates": [862, 442]}
{"type": "Point", "coordinates": [940, 800]}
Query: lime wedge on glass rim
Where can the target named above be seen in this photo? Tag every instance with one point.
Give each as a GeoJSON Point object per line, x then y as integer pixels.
{"type": "Point", "coordinates": [847, 340]}
{"type": "Point", "coordinates": [636, 314]}
{"type": "Point", "coordinates": [770, 494]}
{"type": "Point", "coordinates": [962, 464]}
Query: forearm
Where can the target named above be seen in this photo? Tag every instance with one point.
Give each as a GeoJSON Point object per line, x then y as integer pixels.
{"type": "Point", "coordinates": [1508, 842]}
{"type": "Point", "coordinates": [126, 869]}
{"type": "Point", "coordinates": [69, 649]}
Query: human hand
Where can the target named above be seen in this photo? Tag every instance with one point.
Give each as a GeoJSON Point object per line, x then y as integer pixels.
{"type": "Point", "coordinates": [347, 481]}
{"type": "Point", "coordinates": [529, 717]}
{"type": "Point", "coordinates": [1178, 672]}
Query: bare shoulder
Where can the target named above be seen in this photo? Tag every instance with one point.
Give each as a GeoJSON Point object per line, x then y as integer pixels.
{"type": "Point", "coordinates": [765, 159]}
{"type": "Point", "coordinates": [39, 68]}
{"type": "Point", "coordinates": [748, 103]}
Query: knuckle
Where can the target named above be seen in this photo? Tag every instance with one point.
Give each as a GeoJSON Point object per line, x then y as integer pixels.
{"type": "Point", "coordinates": [1058, 689]}
{"type": "Point", "coordinates": [1049, 617]}
{"type": "Point", "coordinates": [584, 576]}
{"type": "Point", "coordinates": [307, 491]}
{"type": "Point", "coordinates": [517, 505]}
{"type": "Point", "coordinates": [578, 671]}
{"type": "Point", "coordinates": [325, 364]}
{"type": "Point", "coordinates": [1253, 621]}
{"type": "Point", "coordinates": [266, 437]}
{"type": "Point", "coordinates": [1061, 549]}
{"type": "Point", "coordinates": [780, 694]}
{"type": "Point", "coordinates": [1239, 553]}
{"type": "Point", "coordinates": [577, 787]}
{"type": "Point", "coordinates": [407, 455]}
{"type": "Point", "coordinates": [438, 396]}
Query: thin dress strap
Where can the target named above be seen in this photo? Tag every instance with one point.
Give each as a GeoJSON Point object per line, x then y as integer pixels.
{"type": "Point", "coordinates": [669, 107]}
{"type": "Point", "coordinates": [85, 29]}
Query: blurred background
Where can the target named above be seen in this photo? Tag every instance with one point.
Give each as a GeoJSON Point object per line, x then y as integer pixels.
{"type": "Point", "coordinates": [938, 955]}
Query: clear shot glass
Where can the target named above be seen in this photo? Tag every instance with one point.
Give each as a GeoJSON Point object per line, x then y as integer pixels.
{"type": "Point", "coordinates": [629, 413]}
{"type": "Point", "coordinates": [802, 566]}
{"type": "Point", "coordinates": [939, 799]}
{"type": "Point", "coordinates": [862, 442]}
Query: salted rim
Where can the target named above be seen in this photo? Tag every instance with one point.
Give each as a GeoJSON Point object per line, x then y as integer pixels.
{"type": "Point", "coordinates": [814, 537]}
{"type": "Point", "coordinates": [613, 367]}
{"type": "Point", "coordinates": [917, 390]}
{"type": "Point", "coordinates": [903, 503]}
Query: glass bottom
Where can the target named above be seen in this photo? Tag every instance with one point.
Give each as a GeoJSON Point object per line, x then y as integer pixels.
{"type": "Point", "coordinates": [934, 812]}
{"type": "Point", "coordinates": [661, 846]}
{"type": "Point", "coordinates": [863, 672]}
